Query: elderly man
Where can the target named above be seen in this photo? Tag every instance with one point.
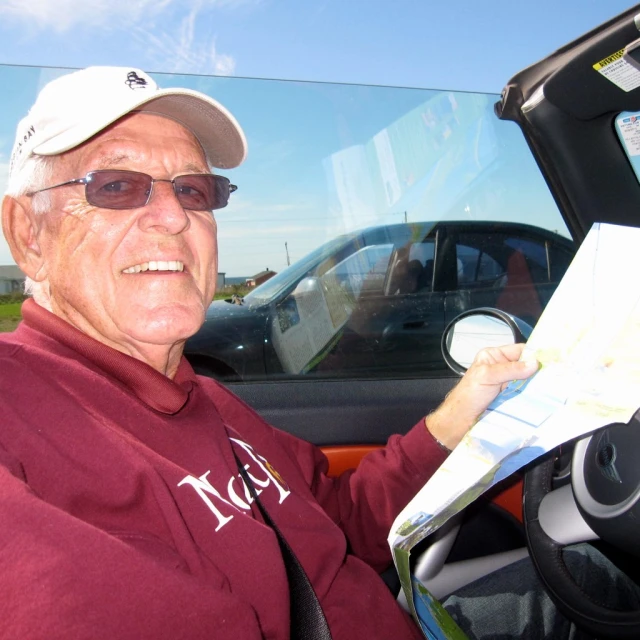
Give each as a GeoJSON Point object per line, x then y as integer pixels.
{"type": "Point", "coordinates": [128, 483]}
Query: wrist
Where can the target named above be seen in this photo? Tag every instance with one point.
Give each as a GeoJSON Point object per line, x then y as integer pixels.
{"type": "Point", "coordinates": [449, 423]}
{"type": "Point", "coordinates": [427, 423]}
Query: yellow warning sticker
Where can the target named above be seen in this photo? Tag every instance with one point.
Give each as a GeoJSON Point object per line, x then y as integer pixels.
{"type": "Point", "coordinates": [608, 60]}
{"type": "Point", "coordinates": [616, 69]}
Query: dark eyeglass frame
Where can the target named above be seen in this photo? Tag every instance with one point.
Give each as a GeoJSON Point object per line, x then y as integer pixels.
{"type": "Point", "coordinates": [221, 187]}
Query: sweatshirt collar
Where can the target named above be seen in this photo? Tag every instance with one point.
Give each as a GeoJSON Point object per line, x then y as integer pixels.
{"type": "Point", "coordinates": [150, 386]}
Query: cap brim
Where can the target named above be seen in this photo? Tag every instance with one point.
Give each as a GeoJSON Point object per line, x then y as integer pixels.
{"type": "Point", "coordinates": [215, 128]}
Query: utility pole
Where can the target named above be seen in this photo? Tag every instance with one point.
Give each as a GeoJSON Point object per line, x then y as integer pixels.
{"type": "Point", "coordinates": [401, 213]}
{"type": "Point", "coordinates": [286, 248]}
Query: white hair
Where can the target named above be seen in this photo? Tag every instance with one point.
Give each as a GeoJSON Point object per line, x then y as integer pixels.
{"type": "Point", "coordinates": [36, 173]}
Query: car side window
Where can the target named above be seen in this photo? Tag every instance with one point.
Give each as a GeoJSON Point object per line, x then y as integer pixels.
{"type": "Point", "coordinates": [422, 257]}
{"type": "Point", "coordinates": [515, 273]}
{"type": "Point", "coordinates": [411, 269]}
{"type": "Point", "coordinates": [475, 265]}
{"type": "Point", "coordinates": [400, 209]}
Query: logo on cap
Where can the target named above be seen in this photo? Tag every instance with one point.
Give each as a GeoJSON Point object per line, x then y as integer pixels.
{"type": "Point", "coordinates": [135, 81]}
{"type": "Point", "coordinates": [20, 144]}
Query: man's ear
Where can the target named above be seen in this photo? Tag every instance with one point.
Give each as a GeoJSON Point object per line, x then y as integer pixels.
{"type": "Point", "coordinates": [20, 228]}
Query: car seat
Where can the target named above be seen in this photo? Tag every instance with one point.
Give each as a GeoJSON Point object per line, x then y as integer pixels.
{"type": "Point", "coordinates": [519, 296]}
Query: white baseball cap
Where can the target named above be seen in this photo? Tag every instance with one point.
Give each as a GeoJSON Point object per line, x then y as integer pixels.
{"type": "Point", "coordinates": [73, 108]}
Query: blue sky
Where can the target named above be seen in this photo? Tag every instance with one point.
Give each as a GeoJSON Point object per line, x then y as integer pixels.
{"type": "Point", "coordinates": [473, 45]}
{"type": "Point", "coordinates": [289, 185]}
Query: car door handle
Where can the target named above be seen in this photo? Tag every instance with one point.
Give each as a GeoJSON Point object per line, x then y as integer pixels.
{"type": "Point", "coordinates": [416, 324]}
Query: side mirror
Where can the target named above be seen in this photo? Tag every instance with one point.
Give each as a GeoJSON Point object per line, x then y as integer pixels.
{"type": "Point", "coordinates": [477, 329]}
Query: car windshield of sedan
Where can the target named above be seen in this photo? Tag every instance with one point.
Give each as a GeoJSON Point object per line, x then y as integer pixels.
{"type": "Point", "coordinates": [281, 281]}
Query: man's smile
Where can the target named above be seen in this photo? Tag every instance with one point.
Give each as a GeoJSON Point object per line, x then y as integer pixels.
{"type": "Point", "coordinates": [156, 265]}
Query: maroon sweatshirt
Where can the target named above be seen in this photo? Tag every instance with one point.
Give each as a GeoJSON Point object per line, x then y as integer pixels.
{"type": "Point", "coordinates": [122, 513]}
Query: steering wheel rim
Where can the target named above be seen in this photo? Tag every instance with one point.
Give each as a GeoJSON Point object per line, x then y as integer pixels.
{"type": "Point", "coordinates": [546, 554]}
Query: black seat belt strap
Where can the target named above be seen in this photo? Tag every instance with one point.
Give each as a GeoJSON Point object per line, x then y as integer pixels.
{"type": "Point", "coordinates": [307, 618]}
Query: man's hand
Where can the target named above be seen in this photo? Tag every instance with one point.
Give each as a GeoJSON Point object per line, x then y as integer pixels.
{"type": "Point", "coordinates": [490, 372]}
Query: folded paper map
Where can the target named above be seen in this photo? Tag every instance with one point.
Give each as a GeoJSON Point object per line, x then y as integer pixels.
{"type": "Point", "coordinates": [587, 342]}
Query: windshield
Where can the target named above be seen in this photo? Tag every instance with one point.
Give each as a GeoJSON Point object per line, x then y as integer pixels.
{"type": "Point", "coordinates": [276, 285]}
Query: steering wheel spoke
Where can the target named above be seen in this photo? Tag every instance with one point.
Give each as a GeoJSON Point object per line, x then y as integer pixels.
{"type": "Point", "coordinates": [561, 519]}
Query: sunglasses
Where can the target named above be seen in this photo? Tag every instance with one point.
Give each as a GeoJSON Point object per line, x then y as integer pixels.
{"type": "Point", "coordinates": [117, 189]}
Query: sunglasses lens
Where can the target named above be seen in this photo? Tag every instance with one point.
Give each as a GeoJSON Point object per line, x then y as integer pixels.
{"type": "Point", "coordinates": [118, 189]}
{"type": "Point", "coordinates": [201, 192]}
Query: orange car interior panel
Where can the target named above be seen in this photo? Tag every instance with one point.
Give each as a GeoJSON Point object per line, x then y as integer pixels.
{"type": "Point", "coordinates": [348, 457]}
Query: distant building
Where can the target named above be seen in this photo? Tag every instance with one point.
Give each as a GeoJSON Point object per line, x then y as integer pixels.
{"type": "Point", "coordinates": [261, 277]}
{"type": "Point", "coordinates": [11, 279]}
{"type": "Point", "coordinates": [221, 281]}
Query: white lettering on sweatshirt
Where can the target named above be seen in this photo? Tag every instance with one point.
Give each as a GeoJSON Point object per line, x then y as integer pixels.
{"type": "Point", "coordinates": [208, 493]}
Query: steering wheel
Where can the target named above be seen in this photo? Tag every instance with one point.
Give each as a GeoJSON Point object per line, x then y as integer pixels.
{"type": "Point", "coordinates": [602, 501]}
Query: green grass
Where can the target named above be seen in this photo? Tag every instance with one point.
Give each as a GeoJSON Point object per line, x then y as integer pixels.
{"type": "Point", "coordinates": [9, 316]}
{"type": "Point", "coordinates": [10, 310]}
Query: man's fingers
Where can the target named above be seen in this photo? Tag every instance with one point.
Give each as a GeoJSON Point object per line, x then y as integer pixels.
{"type": "Point", "coordinates": [508, 352]}
{"type": "Point", "coordinates": [521, 369]}
{"type": "Point", "coordinates": [513, 351]}
{"type": "Point", "coordinates": [500, 372]}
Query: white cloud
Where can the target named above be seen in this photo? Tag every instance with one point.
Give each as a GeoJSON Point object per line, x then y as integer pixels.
{"type": "Point", "coordinates": [183, 51]}
{"type": "Point", "coordinates": [168, 31]}
{"type": "Point", "coordinates": [62, 15]}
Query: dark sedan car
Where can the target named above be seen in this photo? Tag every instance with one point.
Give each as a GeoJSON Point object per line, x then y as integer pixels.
{"type": "Point", "coordinates": [379, 299]}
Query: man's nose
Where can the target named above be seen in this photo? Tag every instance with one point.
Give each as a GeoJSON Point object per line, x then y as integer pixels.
{"type": "Point", "coordinates": [163, 212]}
